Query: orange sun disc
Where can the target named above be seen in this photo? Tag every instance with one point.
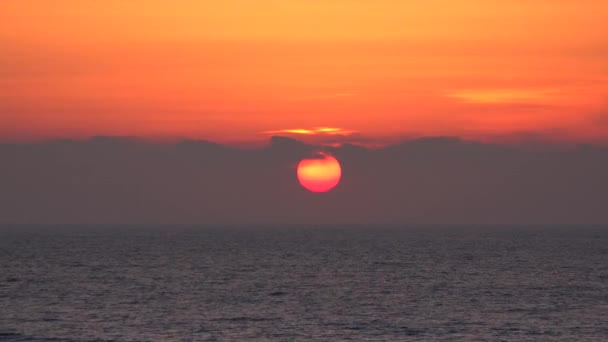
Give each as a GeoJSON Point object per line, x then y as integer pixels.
{"type": "Point", "coordinates": [320, 173]}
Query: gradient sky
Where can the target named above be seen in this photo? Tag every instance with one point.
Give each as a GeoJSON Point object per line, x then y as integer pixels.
{"type": "Point", "coordinates": [237, 70]}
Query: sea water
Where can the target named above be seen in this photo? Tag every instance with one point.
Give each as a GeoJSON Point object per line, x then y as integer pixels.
{"type": "Point", "coordinates": [326, 283]}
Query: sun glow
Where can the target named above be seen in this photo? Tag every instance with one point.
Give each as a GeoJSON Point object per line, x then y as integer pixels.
{"type": "Point", "coordinates": [320, 173]}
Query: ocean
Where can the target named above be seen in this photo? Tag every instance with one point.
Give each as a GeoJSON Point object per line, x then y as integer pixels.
{"type": "Point", "coordinates": [319, 283]}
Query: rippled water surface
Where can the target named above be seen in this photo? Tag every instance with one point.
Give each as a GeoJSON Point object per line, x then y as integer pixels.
{"type": "Point", "coordinates": [303, 283]}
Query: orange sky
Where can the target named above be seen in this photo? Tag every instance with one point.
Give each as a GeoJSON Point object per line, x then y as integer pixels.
{"type": "Point", "coordinates": [239, 70]}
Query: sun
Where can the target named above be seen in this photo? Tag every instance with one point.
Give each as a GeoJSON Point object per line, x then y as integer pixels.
{"type": "Point", "coordinates": [320, 173]}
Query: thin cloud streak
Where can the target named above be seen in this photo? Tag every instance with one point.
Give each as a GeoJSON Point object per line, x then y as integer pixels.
{"type": "Point", "coordinates": [513, 95]}
{"type": "Point", "coordinates": [313, 131]}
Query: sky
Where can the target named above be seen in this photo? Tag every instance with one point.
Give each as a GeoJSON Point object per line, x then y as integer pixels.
{"type": "Point", "coordinates": [237, 70]}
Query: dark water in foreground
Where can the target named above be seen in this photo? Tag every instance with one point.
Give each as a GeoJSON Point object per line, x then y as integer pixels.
{"type": "Point", "coordinates": [304, 283]}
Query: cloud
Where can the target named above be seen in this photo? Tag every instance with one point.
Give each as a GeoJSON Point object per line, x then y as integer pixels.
{"type": "Point", "coordinates": [334, 137]}
{"type": "Point", "coordinates": [313, 131]}
{"type": "Point", "coordinates": [432, 180]}
{"type": "Point", "coordinates": [504, 95]}
{"type": "Point", "coordinates": [328, 136]}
